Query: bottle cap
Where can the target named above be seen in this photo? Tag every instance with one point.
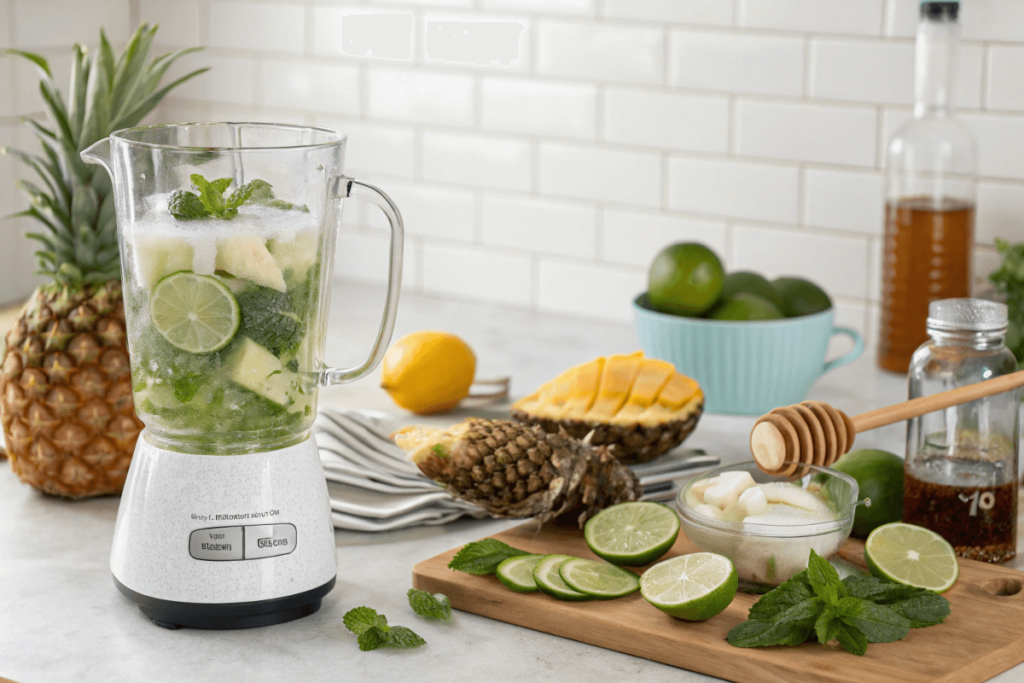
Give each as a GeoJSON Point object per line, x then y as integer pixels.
{"type": "Point", "coordinates": [939, 10]}
{"type": "Point", "coordinates": [967, 315]}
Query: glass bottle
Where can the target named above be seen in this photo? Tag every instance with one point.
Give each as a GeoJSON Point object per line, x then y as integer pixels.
{"type": "Point", "coordinates": [960, 477]}
{"type": "Point", "coordinates": [930, 184]}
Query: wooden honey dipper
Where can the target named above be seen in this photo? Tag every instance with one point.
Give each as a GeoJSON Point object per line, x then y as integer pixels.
{"type": "Point", "coordinates": [815, 433]}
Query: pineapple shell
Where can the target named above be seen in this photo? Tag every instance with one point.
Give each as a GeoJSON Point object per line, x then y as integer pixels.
{"type": "Point", "coordinates": [66, 394]}
{"type": "Point", "coordinates": [516, 470]}
{"type": "Point", "coordinates": [638, 407]}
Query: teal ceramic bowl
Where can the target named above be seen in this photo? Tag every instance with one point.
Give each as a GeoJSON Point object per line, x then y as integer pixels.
{"type": "Point", "coordinates": [744, 368]}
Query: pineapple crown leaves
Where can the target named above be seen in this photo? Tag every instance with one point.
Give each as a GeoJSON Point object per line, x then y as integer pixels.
{"type": "Point", "coordinates": [75, 203]}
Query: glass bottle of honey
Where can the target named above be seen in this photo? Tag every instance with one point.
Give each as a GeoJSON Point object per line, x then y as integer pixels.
{"type": "Point", "coordinates": [931, 164]}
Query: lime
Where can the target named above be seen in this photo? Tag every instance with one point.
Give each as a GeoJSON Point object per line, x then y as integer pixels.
{"type": "Point", "coordinates": [745, 306]}
{"type": "Point", "coordinates": [196, 313]}
{"type": "Point", "coordinates": [517, 573]}
{"type": "Point", "coordinates": [879, 476]}
{"type": "Point", "coordinates": [550, 581]}
{"type": "Point", "coordinates": [632, 534]}
{"type": "Point", "coordinates": [912, 555]}
{"type": "Point", "coordinates": [802, 297]}
{"type": "Point", "coordinates": [598, 579]}
{"type": "Point", "coordinates": [694, 587]}
{"type": "Point", "coordinates": [685, 279]}
{"type": "Point", "coordinates": [751, 283]}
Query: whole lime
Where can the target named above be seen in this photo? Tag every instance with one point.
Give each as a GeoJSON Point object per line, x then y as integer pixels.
{"type": "Point", "coordinates": [879, 476]}
{"type": "Point", "coordinates": [801, 297]}
{"type": "Point", "coordinates": [745, 306]}
{"type": "Point", "coordinates": [751, 283]}
{"type": "Point", "coordinates": [685, 279]}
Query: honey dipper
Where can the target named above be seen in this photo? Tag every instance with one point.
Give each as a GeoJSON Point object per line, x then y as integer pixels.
{"type": "Point", "coordinates": [815, 433]}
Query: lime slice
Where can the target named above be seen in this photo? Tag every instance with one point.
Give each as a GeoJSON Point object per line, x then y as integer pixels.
{"type": "Point", "coordinates": [598, 579]}
{"type": "Point", "coordinates": [517, 572]}
{"type": "Point", "coordinates": [549, 581]}
{"type": "Point", "coordinates": [632, 534]}
{"type": "Point", "coordinates": [912, 555]}
{"type": "Point", "coordinates": [693, 587]}
{"type": "Point", "coordinates": [196, 313]}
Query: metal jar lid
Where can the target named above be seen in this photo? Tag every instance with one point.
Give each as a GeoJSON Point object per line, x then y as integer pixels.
{"type": "Point", "coordinates": [969, 315]}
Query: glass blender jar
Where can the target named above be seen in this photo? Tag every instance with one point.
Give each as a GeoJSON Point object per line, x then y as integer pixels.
{"type": "Point", "coordinates": [227, 234]}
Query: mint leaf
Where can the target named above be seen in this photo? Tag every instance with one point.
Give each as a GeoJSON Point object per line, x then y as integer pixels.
{"type": "Point", "coordinates": [361, 619]}
{"type": "Point", "coordinates": [401, 637]}
{"type": "Point", "coordinates": [372, 638]}
{"type": "Point", "coordinates": [483, 557]}
{"type": "Point", "coordinates": [824, 579]}
{"type": "Point", "coordinates": [261, 192]}
{"type": "Point", "coordinates": [827, 625]}
{"type": "Point", "coordinates": [878, 623]}
{"type": "Point", "coordinates": [781, 598]}
{"type": "Point", "coordinates": [186, 386]}
{"type": "Point", "coordinates": [269, 319]}
{"type": "Point", "coordinates": [436, 606]}
{"type": "Point", "coordinates": [791, 629]}
{"type": "Point", "coordinates": [922, 610]}
{"type": "Point", "coordinates": [185, 206]}
{"type": "Point", "coordinates": [920, 606]}
{"type": "Point", "coordinates": [242, 194]}
{"type": "Point", "coordinates": [851, 639]}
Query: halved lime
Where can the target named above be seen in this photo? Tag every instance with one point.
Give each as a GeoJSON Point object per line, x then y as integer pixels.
{"type": "Point", "coordinates": [598, 579]}
{"type": "Point", "coordinates": [517, 572]}
{"type": "Point", "coordinates": [913, 555]}
{"type": "Point", "coordinates": [549, 581]}
{"type": "Point", "coordinates": [195, 313]}
{"type": "Point", "coordinates": [632, 534]}
{"type": "Point", "coordinates": [694, 587]}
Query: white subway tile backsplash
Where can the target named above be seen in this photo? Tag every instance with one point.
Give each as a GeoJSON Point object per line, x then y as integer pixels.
{"type": "Point", "coordinates": [806, 132]}
{"type": "Point", "coordinates": [737, 62]}
{"type": "Point", "coordinates": [427, 210]}
{"type": "Point", "coordinates": [280, 28]}
{"type": "Point", "coordinates": [863, 17]}
{"type": "Point", "coordinates": [364, 257]}
{"type": "Point", "coordinates": [59, 23]}
{"type": "Point", "coordinates": [635, 237]}
{"type": "Point", "coordinates": [734, 188]}
{"type": "Point", "coordinates": [601, 52]}
{"type": "Point", "coordinates": [541, 225]}
{"type": "Point", "coordinates": [535, 107]}
{"type": "Point", "coordinates": [600, 174]}
{"type": "Point", "coordinates": [1000, 144]}
{"type": "Point", "coordinates": [363, 32]}
{"type": "Point", "coordinates": [713, 12]}
{"type": "Point", "coordinates": [7, 86]}
{"type": "Point", "coordinates": [837, 264]}
{"type": "Point", "coordinates": [471, 159]}
{"type": "Point", "coordinates": [330, 88]}
{"type": "Point", "coordinates": [1000, 212]}
{"type": "Point", "coordinates": [876, 255]}
{"type": "Point", "coordinates": [993, 20]}
{"type": "Point", "coordinates": [862, 71]}
{"type": "Point", "coordinates": [465, 4]}
{"type": "Point", "coordinates": [230, 79]}
{"type": "Point", "coordinates": [179, 21]}
{"type": "Point", "coordinates": [575, 7]}
{"type": "Point", "coordinates": [901, 17]}
{"type": "Point", "coordinates": [477, 273]}
{"type": "Point", "coordinates": [984, 261]}
{"type": "Point", "coordinates": [420, 96]}
{"type": "Point", "coordinates": [844, 201]}
{"type": "Point", "coordinates": [27, 98]}
{"type": "Point", "coordinates": [665, 119]}
{"type": "Point", "coordinates": [593, 291]}
{"type": "Point", "coordinates": [1005, 77]}
{"type": "Point", "coordinates": [491, 42]}
{"type": "Point", "coordinates": [376, 149]}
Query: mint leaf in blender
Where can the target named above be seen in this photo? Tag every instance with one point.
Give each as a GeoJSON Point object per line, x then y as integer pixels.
{"type": "Point", "coordinates": [431, 606]}
{"type": "Point", "coordinates": [260, 192]}
{"type": "Point", "coordinates": [269, 319]}
{"type": "Point", "coordinates": [186, 387]}
{"type": "Point", "coordinates": [186, 206]}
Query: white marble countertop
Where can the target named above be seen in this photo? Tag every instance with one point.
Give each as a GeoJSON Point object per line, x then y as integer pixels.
{"type": "Point", "coordinates": [61, 619]}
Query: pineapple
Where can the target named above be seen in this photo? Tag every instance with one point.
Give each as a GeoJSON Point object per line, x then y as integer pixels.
{"type": "Point", "coordinates": [65, 385]}
{"type": "Point", "coordinates": [516, 470]}
{"type": "Point", "coordinates": [639, 407]}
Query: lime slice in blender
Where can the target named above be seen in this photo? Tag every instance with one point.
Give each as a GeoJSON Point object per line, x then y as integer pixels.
{"type": "Point", "coordinates": [694, 587]}
{"type": "Point", "coordinates": [598, 579]}
{"type": "Point", "coordinates": [632, 534]}
{"type": "Point", "coordinates": [196, 313]}
{"type": "Point", "coordinates": [549, 581]}
{"type": "Point", "coordinates": [517, 572]}
{"type": "Point", "coordinates": [913, 555]}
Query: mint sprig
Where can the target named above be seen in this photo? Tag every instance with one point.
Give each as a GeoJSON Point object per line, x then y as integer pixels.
{"type": "Point", "coordinates": [430, 606]}
{"type": "Point", "coordinates": [853, 612]}
{"type": "Point", "coordinates": [373, 632]}
{"type": "Point", "coordinates": [483, 557]}
{"type": "Point", "coordinates": [208, 200]}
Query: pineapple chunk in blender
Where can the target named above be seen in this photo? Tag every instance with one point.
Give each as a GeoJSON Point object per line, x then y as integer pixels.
{"type": "Point", "coordinates": [260, 371]}
{"type": "Point", "coordinates": [158, 256]}
{"type": "Point", "coordinates": [246, 256]}
{"type": "Point", "coordinates": [294, 258]}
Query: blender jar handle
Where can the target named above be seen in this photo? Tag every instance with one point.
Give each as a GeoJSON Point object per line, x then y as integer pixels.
{"type": "Point", "coordinates": [349, 187]}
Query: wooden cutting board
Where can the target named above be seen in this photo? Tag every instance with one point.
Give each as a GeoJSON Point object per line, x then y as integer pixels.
{"type": "Point", "coordinates": [982, 637]}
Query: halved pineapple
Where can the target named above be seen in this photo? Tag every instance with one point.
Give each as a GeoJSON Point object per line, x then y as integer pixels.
{"type": "Point", "coordinates": [639, 407]}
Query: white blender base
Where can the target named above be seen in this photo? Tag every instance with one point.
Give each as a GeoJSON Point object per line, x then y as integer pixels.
{"type": "Point", "coordinates": [224, 541]}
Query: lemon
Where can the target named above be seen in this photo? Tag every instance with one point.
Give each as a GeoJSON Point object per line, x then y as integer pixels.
{"type": "Point", "coordinates": [428, 372]}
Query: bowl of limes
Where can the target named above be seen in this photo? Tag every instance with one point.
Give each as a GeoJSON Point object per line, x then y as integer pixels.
{"type": "Point", "coordinates": [751, 343]}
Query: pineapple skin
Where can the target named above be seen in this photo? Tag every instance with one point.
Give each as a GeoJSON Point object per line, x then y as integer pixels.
{"type": "Point", "coordinates": [66, 394]}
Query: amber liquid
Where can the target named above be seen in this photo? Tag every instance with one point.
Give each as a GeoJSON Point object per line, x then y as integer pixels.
{"type": "Point", "coordinates": [927, 257]}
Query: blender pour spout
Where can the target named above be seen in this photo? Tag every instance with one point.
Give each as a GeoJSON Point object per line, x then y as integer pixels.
{"type": "Point", "coordinates": [98, 153]}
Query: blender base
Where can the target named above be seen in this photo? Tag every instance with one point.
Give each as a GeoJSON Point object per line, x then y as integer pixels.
{"type": "Point", "coordinates": [230, 615]}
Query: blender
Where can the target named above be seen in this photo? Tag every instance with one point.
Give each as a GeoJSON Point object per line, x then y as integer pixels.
{"type": "Point", "coordinates": [227, 234]}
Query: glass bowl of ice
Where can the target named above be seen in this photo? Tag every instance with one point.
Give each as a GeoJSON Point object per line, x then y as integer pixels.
{"type": "Point", "coordinates": [767, 525]}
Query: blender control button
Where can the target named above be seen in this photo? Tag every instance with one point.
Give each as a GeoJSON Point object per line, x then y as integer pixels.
{"type": "Point", "coordinates": [220, 543]}
{"type": "Point", "coordinates": [269, 540]}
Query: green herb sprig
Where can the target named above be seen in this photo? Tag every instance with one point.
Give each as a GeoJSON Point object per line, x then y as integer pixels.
{"type": "Point", "coordinates": [1009, 280]}
{"type": "Point", "coordinates": [853, 611]}
{"type": "Point", "coordinates": [373, 631]}
{"type": "Point", "coordinates": [208, 200]}
{"type": "Point", "coordinates": [483, 557]}
{"type": "Point", "coordinates": [430, 605]}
